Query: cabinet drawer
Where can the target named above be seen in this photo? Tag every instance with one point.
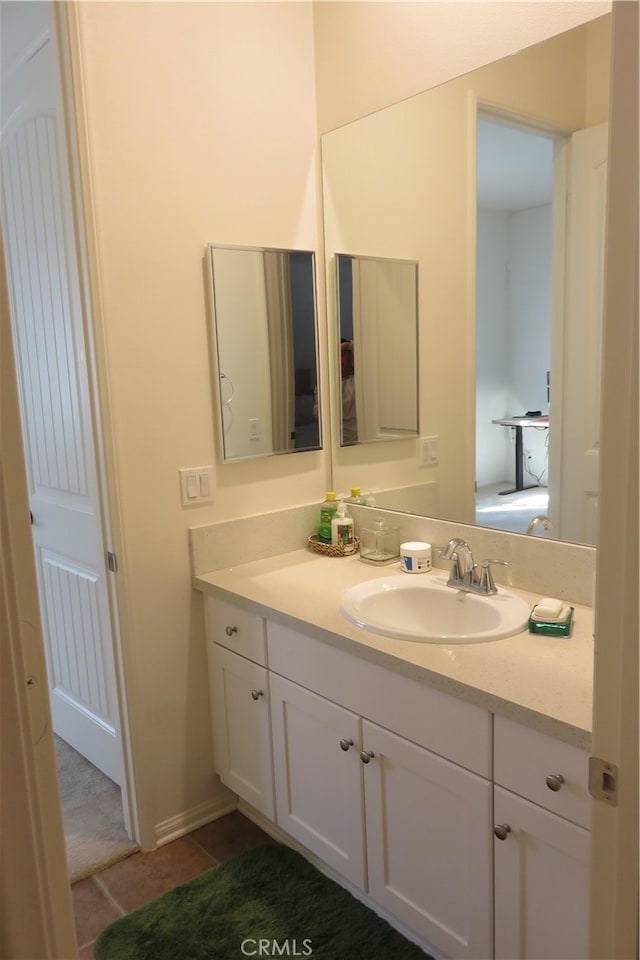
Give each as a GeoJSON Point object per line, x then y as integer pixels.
{"type": "Point", "coordinates": [450, 727]}
{"type": "Point", "coordinates": [526, 762]}
{"type": "Point", "coordinates": [235, 628]}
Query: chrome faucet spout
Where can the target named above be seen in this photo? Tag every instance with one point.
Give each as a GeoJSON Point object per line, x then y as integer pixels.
{"type": "Point", "coordinates": [462, 564]}
{"type": "Point", "coordinates": [541, 520]}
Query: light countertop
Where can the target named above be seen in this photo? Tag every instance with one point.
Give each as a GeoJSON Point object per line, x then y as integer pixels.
{"type": "Point", "coordinates": [543, 682]}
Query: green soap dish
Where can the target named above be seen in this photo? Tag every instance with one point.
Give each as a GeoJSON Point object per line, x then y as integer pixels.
{"type": "Point", "coordinates": [552, 628]}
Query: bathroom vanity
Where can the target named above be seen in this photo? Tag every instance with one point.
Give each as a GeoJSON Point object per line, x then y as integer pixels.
{"type": "Point", "coordinates": [444, 785]}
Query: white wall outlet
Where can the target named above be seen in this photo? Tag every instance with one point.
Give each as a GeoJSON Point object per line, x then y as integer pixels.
{"type": "Point", "coordinates": [428, 451]}
{"type": "Point", "coordinates": [196, 485]}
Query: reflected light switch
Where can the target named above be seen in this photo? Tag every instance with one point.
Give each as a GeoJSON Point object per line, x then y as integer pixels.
{"type": "Point", "coordinates": [428, 451]}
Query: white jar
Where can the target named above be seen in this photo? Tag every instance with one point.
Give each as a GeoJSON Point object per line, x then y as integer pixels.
{"type": "Point", "coordinates": [415, 556]}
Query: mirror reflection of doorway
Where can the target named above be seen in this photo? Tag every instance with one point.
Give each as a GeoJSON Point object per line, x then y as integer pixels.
{"type": "Point", "coordinates": [513, 323]}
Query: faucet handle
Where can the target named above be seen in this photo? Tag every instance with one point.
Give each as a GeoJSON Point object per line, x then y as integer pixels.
{"type": "Point", "coordinates": [487, 583]}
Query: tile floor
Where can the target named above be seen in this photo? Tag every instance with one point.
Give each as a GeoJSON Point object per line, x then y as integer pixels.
{"type": "Point", "coordinates": [127, 884]}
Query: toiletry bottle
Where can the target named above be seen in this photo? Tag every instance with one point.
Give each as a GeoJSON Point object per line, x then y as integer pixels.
{"type": "Point", "coordinates": [356, 496]}
{"type": "Point", "coordinates": [342, 527]}
{"type": "Point", "coordinates": [327, 513]}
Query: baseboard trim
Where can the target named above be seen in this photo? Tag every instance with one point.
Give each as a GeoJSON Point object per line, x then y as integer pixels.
{"type": "Point", "coordinates": [189, 820]}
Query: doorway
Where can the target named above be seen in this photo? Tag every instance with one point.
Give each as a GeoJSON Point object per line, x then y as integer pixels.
{"type": "Point", "coordinates": [515, 170]}
{"type": "Point", "coordinates": [58, 400]}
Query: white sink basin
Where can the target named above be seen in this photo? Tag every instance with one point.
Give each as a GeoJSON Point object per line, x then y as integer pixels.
{"type": "Point", "coordinates": [423, 608]}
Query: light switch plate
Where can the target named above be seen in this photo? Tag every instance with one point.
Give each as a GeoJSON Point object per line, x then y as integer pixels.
{"type": "Point", "coordinates": [428, 451]}
{"type": "Point", "coordinates": [196, 485]}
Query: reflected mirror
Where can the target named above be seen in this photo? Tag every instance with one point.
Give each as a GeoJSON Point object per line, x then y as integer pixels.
{"type": "Point", "coordinates": [264, 350]}
{"type": "Point", "coordinates": [494, 184]}
{"type": "Point", "coordinates": [378, 326]}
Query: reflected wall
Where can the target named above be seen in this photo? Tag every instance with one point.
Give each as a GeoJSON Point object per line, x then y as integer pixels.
{"type": "Point", "coordinates": [263, 340]}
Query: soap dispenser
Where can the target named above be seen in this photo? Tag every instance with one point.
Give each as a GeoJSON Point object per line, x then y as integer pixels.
{"type": "Point", "coordinates": [327, 513]}
{"type": "Point", "coordinates": [342, 527]}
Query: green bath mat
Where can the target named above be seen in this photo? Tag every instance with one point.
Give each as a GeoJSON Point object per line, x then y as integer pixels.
{"type": "Point", "coordinates": [269, 894]}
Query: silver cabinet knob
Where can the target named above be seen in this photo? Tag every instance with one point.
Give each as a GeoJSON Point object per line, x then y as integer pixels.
{"type": "Point", "coordinates": [366, 755]}
{"type": "Point", "coordinates": [345, 744]}
{"type": "Point", "coordinates": [230, 631]}
{"type": "Point", "coordinates": [554, 781]}
{"type": "Point", "coordinates": [502, 831]}
{"type": "Point", "coordinates": [256, 694]}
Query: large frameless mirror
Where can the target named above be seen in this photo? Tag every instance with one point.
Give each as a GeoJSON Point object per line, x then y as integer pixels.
{"type": "Point", "coordinates": [264, 350]}
{"type": "Point", "coordinates": [378, 327]}
{"type": "Point", "coordinates": [495, 184]}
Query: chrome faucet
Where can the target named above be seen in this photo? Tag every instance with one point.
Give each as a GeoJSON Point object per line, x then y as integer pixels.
{"type": "Point", "coordinates": [465, 573]}
{"type": "Point", "coordinates": [462, 563]}
{"type": "Point", "coordinates": [544, 522]}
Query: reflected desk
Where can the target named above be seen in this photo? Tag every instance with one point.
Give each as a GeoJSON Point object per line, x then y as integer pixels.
{"type": "Point", "coordinates": [518, 423]}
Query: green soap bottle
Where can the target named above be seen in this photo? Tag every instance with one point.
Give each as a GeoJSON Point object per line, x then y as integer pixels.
{"type": "Point", "coordinates": [327, 513]}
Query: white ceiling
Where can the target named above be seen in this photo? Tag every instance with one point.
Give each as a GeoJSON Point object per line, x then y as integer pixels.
{"type": "Point", "coordinates": [514, 168]}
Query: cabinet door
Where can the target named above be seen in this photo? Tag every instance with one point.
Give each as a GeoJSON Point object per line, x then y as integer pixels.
{"type": "Point", "coordinates": [429, 843]}
{"type": "Point", "coordinates": [241, 729]}
{"type": "Point", "coordinates": [318, 776]}
{"type": "Point", "coordinates": [541, 883]}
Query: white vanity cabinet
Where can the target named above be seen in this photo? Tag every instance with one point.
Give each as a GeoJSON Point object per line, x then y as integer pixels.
{"type": "Point", "coordinates": [239, 689]}
{"type": "Point", "coordinates": [404, 824]}
{"type": "Point", "coordinates": [541, 815]}
{"type": "Point", "coordinates": [469, 829]}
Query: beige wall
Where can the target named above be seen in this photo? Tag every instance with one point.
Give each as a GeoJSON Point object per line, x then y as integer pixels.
{"type": "Point", "coordinates": [198, 124]}
{"type": "Point", "coordinates": [369, 55]}
{"type": "Point", "coordinates": [200, 128]}
{"type": "Point", "coordinates": [401, 183]}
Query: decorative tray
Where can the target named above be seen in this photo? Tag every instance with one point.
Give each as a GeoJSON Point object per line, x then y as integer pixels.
{"type": "Point", "coordinates": [333, 549]}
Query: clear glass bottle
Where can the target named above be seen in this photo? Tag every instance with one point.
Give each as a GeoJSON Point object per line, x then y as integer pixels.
{"type": "Point", "coordinates": [355, 496]}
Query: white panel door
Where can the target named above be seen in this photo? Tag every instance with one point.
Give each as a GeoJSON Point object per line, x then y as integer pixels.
{"type": "Point", "coordinates": [241, 731]}
{"type": "Point", "coordinates": [580, 380]}
{"type": "Point", "coordinates": [429, 843]}
{"type": "Point", "coordinates": [318, 776]}
{"type": "Point", "coordinates": [51, 361]}
{"type": "Point", "coordinates": [541, 883]}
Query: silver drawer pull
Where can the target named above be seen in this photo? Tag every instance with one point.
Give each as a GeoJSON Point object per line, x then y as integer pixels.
{"type": "Point", "coordinates": [366, 755]}
{"type": "Point", "coordinates": [502, 831]}
{"type": "Point", "coordinates": [230, 631]}
{"type": "Point", "coordinates": [345, 744]}
{"type": "Point", "coordinates": [256, 694]}
{"type": "Point", "coordinates": [554, 781]}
